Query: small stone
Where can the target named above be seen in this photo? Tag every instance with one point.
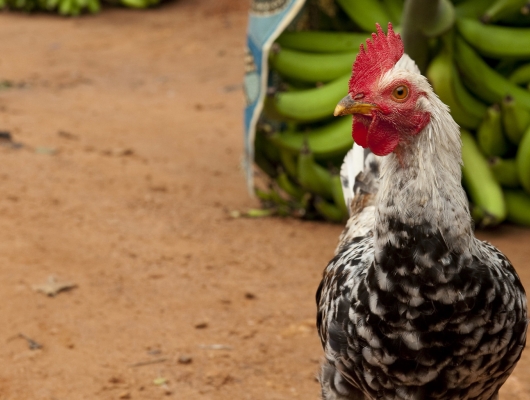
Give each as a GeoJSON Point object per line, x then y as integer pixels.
{"type": "Point", "coordinates": [250, 296]}
{"type": "Point", "coordinates": [115, 380]}
{"type": "Point", "coordinates": [6, 136]}
{"type": "Point", "coordinates": [125, 395]}
{"type": "Point", "coordinates": [46, 150]}
{"type": "Point", "coordinates": [52, 287]}
{"type": "Point", "coordinates": [201, 325]}
{"type": "Point", "coordinates": [235, 214]}
{"type": "Point", "coordinates": [159, 188]}
{"type": "Point", "coordinates": [67, 135]}
{"type": "Point", "coordinates": [125, 152]}
{"type": "Point", "coordinates": [185, 359]}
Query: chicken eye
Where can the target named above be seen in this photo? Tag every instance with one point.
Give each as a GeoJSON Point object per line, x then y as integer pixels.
{"type": "Point", "coordinates": [400, 93]}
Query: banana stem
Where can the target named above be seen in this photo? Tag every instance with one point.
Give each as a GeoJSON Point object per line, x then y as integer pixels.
{"type": "Point", "coordinates": [423, 19]}
{"type": "Point", "coordinates": [416, 43]}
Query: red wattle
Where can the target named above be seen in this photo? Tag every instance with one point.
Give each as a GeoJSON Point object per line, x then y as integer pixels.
{"type": "Point", "coordinates": [360, 132]}
{"type": "Point", "coordinates": [383, 137]}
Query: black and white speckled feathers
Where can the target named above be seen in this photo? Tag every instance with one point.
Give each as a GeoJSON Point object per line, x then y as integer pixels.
{"type": "Point", "coordinates": [413, 306]}
{"type": "Point", "coordinates": [449, 327]}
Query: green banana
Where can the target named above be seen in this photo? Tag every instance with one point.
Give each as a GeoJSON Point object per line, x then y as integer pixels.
{"type": "Point", "coordinates": [264, 164]}
{"type": "Point", "coordinates": [51, 4]}
{"type": "Point", "coordinates": [329, 211]}
{"type": "Point", "coordinates": [262, 144]}
{"type": "Point", "coordinates": [515, 118]}
{"type": "Point", "coordinates": [25, 5]}
{"type": "Point", "coordinates": [333, 139]}
{"type": "Point", "coordinates": [472, 8]}
{"type": "Point", "coordinates": [485, 82]}
{"type": "Point", "coordinates": [76, 9]}
{"type": "Point", "coordinates": [93, 6]}
{"type": "Point", "coordinates": [505, 171]}
{"type": "Point", "coordinates": [505, 66]}
{"type": "Point", "coordinates": [495, 41]}
{"type": "Point", "coordinates": [65, 7]}
{"type": "Point", "coordinates": [312, 176]}
{"type": "Point", "coordinates": [312, 67]}
{"type": "Point", "coordinates": [258, 213]}
{"type": "Point", "coordinates": [395, 9]}
{"type": "Point", "coordinates": [484, 191]}
{"type": "Point", "coordinates": [289, 187]}
{"type": "Point", "coordinates": [469, 103]}
{"type": "Point", "coordinates": [440, 74]}
{"type": "Point", "coordinates": [519, 18]}
{"type": "Point", "coordinates": [262, 151]}
{"type": "Point", "coordinates": [276, 198]}
{"type": "Point", "coordinates": [312, 104]}
{"type": "Point", "coordinates": [518, 206]}
{"type": "Point", "coordinates": [502, 8]}
{"type": "Point", "coordinates": [262, 194]}
{"type": "Point", "coordinates": [443, 22]}
{"type": "Point", "coordinates": [338, 196]}
{"type": "Point", "coordinates": [253, 213]}
{"type": "Point", "coordinates": [489, 134]}
{"type": "Point", "coordinates": [288, 161]}
{"type": "Point", "coordinates": [135, 3]}
{"type": "Point", "coordinates": [365, 13]}
{"type": "Point", "coordinates": [521, 76]}
{"type": "Point", "coordinates": [523, 161]}
{"type": "Point", "coordinates": [322, 41]}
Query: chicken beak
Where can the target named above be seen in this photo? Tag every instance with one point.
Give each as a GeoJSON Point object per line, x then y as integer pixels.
{"type": "Point", "coordinates": [348, 106]}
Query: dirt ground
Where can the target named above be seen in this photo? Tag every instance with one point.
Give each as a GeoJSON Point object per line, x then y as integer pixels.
{"type": "Point", "coordinates": [129, 133]}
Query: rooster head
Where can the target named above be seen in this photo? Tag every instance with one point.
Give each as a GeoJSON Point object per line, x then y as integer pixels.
{"type": "Point", "coordinates": [387, 102]}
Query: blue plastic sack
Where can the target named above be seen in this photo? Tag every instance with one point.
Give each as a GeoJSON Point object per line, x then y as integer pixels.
{"type": "Point", "coordinates": [268, 19]}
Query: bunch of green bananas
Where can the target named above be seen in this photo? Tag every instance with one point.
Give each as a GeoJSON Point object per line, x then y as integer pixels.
{"type": "Point", "coordinates": [23, 5]}
{"type": "Point", "coordinates": [73, 7]}
{"type": "Point", "coordinates": [479, 65]}
{"type": "Point", "coordinates": [489, 70]}
{"type": "Point", "coordinates": [299, 144]}
{"type": "Point", "coordinates": [133, 3]}
{"type": "Point", "coordinates": [70, 7]}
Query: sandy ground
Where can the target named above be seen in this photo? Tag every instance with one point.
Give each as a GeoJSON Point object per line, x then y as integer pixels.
{"type": "Point", "coordinates": [130, 126]}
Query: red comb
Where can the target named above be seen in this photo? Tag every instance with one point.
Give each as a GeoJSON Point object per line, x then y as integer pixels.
{"type": "Point", "coordinates": [380, 55]}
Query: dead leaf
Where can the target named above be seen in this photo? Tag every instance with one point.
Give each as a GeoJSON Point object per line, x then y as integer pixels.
{"type": "Point", "coordinates": [160, 381]}
{"type": "Point", "coordinates": [215, 347]}
{"type": "Point", "coordinates": [53, 286]}
{"type": "Point", "coordinates": [50, 151]}
{"type": "Point", "coordinates": [33, 345]}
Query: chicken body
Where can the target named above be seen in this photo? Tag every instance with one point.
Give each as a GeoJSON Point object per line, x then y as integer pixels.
{"type": "Point", "coordinates": [413, 306]}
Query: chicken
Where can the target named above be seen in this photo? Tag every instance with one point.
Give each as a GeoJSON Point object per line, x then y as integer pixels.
{"type": "Point", "coordinates": [412, 306]}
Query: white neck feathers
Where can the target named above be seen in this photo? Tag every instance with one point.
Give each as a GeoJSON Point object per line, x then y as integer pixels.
{"type": "Point", "coordinates": [422, 186]}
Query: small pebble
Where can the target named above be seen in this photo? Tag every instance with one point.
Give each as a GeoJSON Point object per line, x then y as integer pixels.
{"type": "Point", "coordinates": [185, 359]}
{"type": "Point", "coordinates": [250, 296]}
